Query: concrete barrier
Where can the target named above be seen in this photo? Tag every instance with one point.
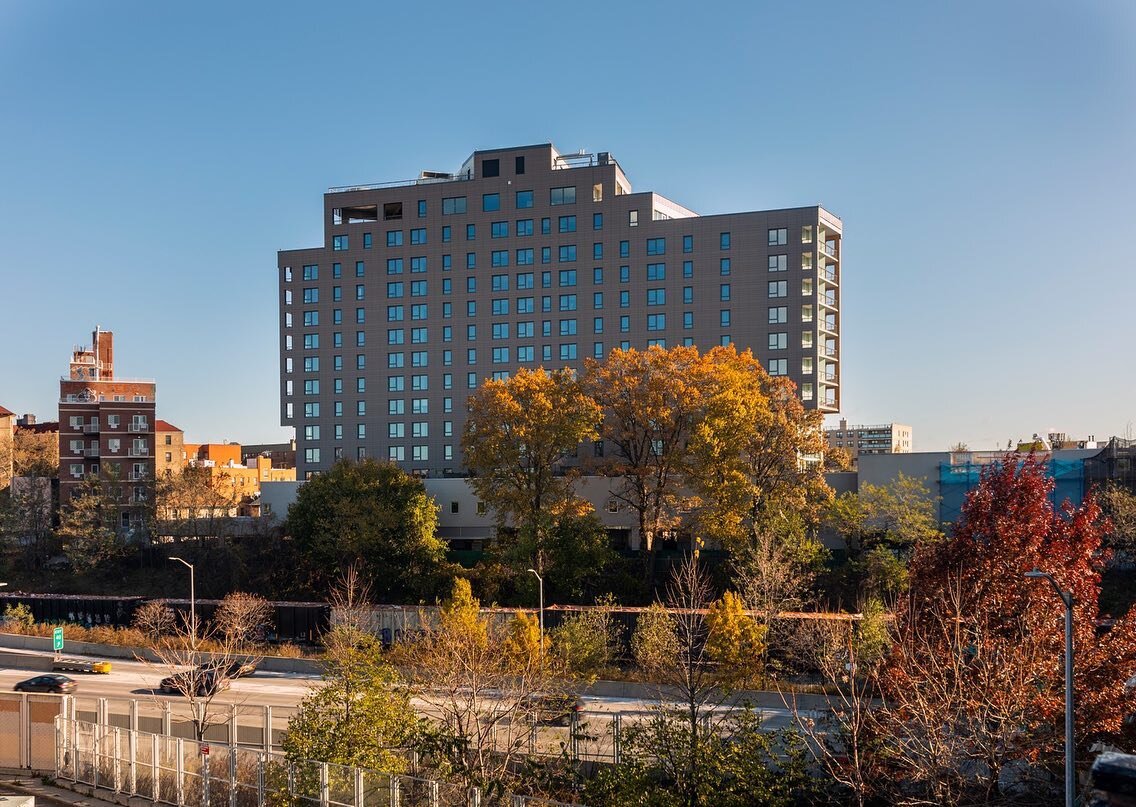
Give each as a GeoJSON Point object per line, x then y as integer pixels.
{"type": "Point", "coordinates": [24, 661]}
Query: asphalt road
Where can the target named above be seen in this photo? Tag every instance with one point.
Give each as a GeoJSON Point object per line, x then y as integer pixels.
{"type": "Point", "coordinates": [284, 691]}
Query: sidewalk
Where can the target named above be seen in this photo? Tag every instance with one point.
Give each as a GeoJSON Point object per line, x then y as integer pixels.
{"type": "Point", "coordinates": [14, 783]}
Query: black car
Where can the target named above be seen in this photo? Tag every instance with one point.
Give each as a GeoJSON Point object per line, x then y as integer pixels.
{"type": "Point", "coordinates": [60, 684]}
{"type": "Point", "coordinates": [199, 681]}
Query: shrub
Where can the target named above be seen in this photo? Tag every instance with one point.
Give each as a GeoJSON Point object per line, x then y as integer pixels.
{"type": "Point", "coordinates": [18, 618]}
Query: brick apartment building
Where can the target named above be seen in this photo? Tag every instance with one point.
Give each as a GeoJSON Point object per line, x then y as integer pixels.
{"type": "Point", "coordinates": [106, 425]}
{"type": "Point", "coordinates": [527, 257]}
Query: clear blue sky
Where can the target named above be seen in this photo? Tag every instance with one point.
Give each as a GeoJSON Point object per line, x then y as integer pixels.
{"type": "Point", "coordinates": [155, 156]}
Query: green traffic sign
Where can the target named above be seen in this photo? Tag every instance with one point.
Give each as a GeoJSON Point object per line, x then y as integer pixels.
{"type": "Point", "coordinates": [57, 639]}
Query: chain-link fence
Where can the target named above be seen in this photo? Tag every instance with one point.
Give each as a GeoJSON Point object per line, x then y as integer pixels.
{"type": "Point", "coordinates": [178, 771]}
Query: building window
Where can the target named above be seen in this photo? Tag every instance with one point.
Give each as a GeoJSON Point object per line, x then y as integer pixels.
{"type": "Point", "coordinates": [656, 296]}
{"type": "Point", "coordinates": [778, 237]}
{"type": "Point", "coordinates": [567, 277]}
{"type": "Point", "coordinates": [656, 246]}
{"type": "Point", "coordinates": [778, 288]}
{"type": "Point", "coordinates": [394, 238]}
{"type": "Point", "coordinates": [471, 232]}
{"type": "Point", "coordinates": [778, 263]}
{"type": "Point", "coordinates": [778, 366]}
{"type": "Point", "coordinates": [724, 292]}
{"type": "Point", "coordinates": [656, 322]}
{"type": "Point", "coordinates": [490, 168]}
{"type": "Point", "coordinates": [687, 320]}
{"type": "Point", "coordinates": [688, 243]}
{"type": "Point", "coordinates": [563, 196]}
{"type": "Point", "coordinates": [567, 253]}
{"type": "Point", "coordinates": [656, 271]}
{"type": "Point", "coordinates": [311, 273]}
{"type": "Point", "coordinates": [724, 266]}
{"type": "Point", "coordinates": [567, 224]}
{"type": "Point", "coordinates": [724, 241]}
{"type": "Point", "coordinates": [724, 317]}
{"type": "Point", "coordinates": [452, 205]}
{"type": "Point", "coordinates": [418, 236]}
{"type": "Point", "coordinates": [499, 257]}
{"type": "Point", "coordinates": [447, 234]}
{"type": "Point", "coordinates": [394, 266]}
{"type": "Point", "coordinates": [778, 341]}
{"type": "Point", "coordinates": [778, 315]}
{"type": "Point", "coordinates": [524, 200]}
{"type": "Point", "coordinates": [632, 218]}
{"type": "Point", "coordinates": [339, 242]}
{"type": "Point", "coordinates": [499, 229]}
{"type": "Point", "coordinates": [366, 240]}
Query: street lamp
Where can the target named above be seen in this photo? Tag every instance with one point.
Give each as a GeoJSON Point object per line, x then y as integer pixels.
{"type": "Point", "coordinates": [1067, 598]}
{"type": "Point", "coordinates": [540, 580]}
{"type": "Point", "coordinates": [192, 602]}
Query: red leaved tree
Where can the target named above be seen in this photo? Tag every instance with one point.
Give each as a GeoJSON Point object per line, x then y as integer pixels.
{"type": "Point", "coordinates": [974, 685]}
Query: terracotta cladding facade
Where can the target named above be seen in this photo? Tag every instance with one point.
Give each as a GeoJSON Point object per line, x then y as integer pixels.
{"type": "Point", "coordinates": [417, 297]}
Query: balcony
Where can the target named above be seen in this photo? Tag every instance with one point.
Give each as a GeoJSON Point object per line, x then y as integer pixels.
{"type": "Point", "coordinates": [137, 476]}
{"type": "Point", "coordinates": [830, 351]}
{"type": "Point", "coordinates": [828, 274]}
{"type": "Point", "coordinates": [89, 428]}
{"type": "Point", "coordinates": [830, 249]}
{"type": "Point", "coordinates": [828, 325]}
{"type": "Point", "coordinates": [139, 428]}
{"type": "Point", "coordinates": [139, 452]}
{"type": "Point", "coordinates": [830, 375]}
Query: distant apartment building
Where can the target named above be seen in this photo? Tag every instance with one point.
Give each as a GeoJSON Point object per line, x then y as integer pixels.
{"type": "Point", "coordinates": [283, 455]}
{"type": "Point", "coordinates": [107, 426]}
{"type": "Point", "coordinates": [883, 438]}
{"type": "Point", "coordinates": [530, 258]}
{"type": "Point", "coordinates": [7, 446]}
{"type": "Point", "coordinates": [169, 456]}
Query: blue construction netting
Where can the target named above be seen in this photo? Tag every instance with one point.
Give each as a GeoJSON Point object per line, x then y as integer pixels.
{"type": "Point", "coordinates": [955, 481]}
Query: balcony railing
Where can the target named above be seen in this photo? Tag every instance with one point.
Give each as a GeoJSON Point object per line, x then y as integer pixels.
{"type": "Point", "coordinates": [138, 452]}
{"type": "Point", "coordinates": [139, 428]}
{"type": "Point", "coordinates": [830, 351]}
{"type": "Point", "coordinates": [828, 275]}
{"type": "Point", "coordinates": [89, 428]}
{"type": "Point", "coordinates": [830, 250]}
{"type": "Point", "coordinates": [136, 476]}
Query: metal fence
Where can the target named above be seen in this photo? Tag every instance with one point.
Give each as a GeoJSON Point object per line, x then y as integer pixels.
{"type": "Point", "coordinates": [178, 771]}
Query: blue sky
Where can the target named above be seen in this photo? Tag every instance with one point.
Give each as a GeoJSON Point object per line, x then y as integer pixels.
{"type": "Point", "coordinates": [154, 157]}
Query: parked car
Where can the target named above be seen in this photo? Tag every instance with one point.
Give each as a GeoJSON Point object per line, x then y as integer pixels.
{"type": "Point", "coordinates": [78, 665]}
{"type": "Point", "coordinates": [551, 709]}
{"type": "Point", "coordinates": [60, 684]}
{"type": "Point", "coordinates": [198, 681]}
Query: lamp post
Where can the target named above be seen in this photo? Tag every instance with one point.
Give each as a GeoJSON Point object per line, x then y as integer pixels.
{"type": "Point", "coordinates": [192, 603]}
{"type": "Point", "coordinates": [1067, 598]}
{"type": "Point", "coordinates": [540, 580]}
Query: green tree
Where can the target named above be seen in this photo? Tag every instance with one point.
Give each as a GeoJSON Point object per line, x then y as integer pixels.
{"type": "Point", "coordinates": [738, 764]}
{"type": "Point", "coordinates": [370, 513]}
{"type": "Point", "coordinates": [518, 436]}
{"type": "Point", "coordinates": [90, 524]}
{"type": "Point", "coordinates": [360, 715]}
{"type": "Point", "coordinates": [588, 642]}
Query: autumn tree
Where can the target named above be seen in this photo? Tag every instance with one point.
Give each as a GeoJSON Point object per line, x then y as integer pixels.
{"type": "Point", "coordinates": [154, 618]}
{"type": "Point", "coordinates": [480, 679]}
{"type": "Point", "coordinates": [518, 436]}
{"type": "Point", "coordinates": [35, 453]}
{"type": "Point", "coordinates": [243, 618]}
{"type": "Point", "coordinates": [756, 451]}
{"type": "Point", "coordinates": [979, 646]}
{"type": "Point", "coordinates": [734, 641]}
{"type": "Point", "coordinates": [26, 513]}
{"type": "Point", "coordinates": [197, 502]}
{"type": "Point", "coordinates": [651, 400]}
{"type": "Point", "coordinates": [374, 514]}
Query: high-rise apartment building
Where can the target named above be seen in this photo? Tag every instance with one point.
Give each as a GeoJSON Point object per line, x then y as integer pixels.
{"type": "Point", "coordinates": [525, 258]}
{"type": "Point", "coordinates": [106, 425]}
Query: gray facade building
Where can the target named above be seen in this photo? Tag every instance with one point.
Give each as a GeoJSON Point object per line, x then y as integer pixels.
{"type": "Point", "coordinates": [526, 257]}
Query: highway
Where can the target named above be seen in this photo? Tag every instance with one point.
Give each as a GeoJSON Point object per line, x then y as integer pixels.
{"type": "Point", "coordinates": [138, 681]}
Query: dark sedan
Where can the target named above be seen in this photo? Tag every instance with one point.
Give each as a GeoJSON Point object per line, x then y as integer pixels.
{"type": "Point", "coordinates": [59, 684]}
